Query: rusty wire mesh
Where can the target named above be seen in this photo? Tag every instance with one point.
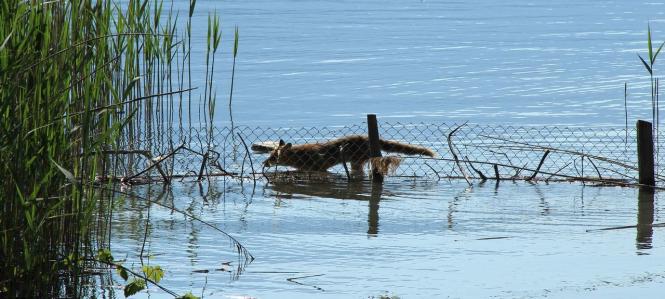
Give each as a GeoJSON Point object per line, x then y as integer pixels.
{"type": "Point", "coordinates": [605, 153]}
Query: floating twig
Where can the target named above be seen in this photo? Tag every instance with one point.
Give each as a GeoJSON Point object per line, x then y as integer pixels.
{"type": "Point", "coordinates": [487, 238]}
{"type": "Point", "coordinates": [662, 224]}
{"type": "Point", "coordinates": [293, 279]}
{"type": "Point", "coordinates": [492, 238]}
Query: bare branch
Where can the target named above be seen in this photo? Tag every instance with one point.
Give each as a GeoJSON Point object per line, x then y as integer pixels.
{"type": "Point", "coordinates": [452, 151]}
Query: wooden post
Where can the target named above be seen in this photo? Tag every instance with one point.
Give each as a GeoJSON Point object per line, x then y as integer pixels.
{"type": "Point", "coordinates": [374, 145]}
{"type": "Point", "coordinates": [645, 158]}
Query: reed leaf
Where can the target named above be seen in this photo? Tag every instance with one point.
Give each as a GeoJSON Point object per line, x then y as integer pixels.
{"type": "Point", "coordinates": [235, 43]}
{"type": "Point", "coordinates": [4, 43]}
{"type": "Point", "coordinates": [70, 177]}
{"type": "Point", "coordinates": [646, 65]}
{"type": "Point", "coordinates": [658, 51]}
{"type": "Point", "coordinates": [649, 44]}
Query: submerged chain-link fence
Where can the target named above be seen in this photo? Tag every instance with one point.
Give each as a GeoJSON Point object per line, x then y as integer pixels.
{"type": "Point", "coordinates": [554, 153]}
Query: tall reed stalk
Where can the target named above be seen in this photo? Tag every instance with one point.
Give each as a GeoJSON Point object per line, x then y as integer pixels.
{"type": "Point", "coordinates": [236, 38]}
{"type": "Point", "coordinates": [649, 66]}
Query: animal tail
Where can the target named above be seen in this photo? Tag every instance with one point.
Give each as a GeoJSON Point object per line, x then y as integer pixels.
{"type": "Point", "coordinates": [404, 148]}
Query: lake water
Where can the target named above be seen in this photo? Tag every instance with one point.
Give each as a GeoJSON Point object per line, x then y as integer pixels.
{"type": "Point", "coordinates": [328, 63]}
{"type": "Point", "coordinates": [419, 240]}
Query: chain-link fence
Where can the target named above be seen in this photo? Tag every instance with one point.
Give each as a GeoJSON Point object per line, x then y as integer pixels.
{"type": "Point", "coordinates": [507, 152]}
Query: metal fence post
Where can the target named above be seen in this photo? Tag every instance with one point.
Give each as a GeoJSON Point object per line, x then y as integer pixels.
{"type": "Point", "coordinates": [374, 145]}
{"type": "Point", "coordinates": [645, 158]}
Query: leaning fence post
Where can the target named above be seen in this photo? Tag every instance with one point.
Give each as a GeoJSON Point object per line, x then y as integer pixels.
{"type": "Point", "coordinates": [645, 160]}
{"type": "Point", "coordinates": [374, 145]}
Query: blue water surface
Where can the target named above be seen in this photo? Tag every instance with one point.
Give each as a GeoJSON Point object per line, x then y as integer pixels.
{"type": "Point", "coordinates": [329, 62]}
{"type": "Point", "coordinates": [519, 62]}
{"type": "Point", "coordinates": [417, 240]}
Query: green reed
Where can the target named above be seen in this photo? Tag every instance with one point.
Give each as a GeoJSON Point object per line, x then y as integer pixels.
{"type": "Point", "coordinates": [79, 79]}
{"type": "Point", "coordinates": [649, 66]}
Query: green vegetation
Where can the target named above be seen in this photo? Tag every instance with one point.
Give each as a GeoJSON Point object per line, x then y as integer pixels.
{"type": "Point", "coordinates": [649, 66]}
{"type": "Point", "coordinates": [78, 80]}
{"type": "Point", "coordinates": [152, 274]}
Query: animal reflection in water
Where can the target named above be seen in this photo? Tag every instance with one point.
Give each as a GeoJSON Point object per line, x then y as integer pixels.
{"type": "Point", "coordinates": [353, 149]}
{"type": "Point", "coordinates": [354, 190]}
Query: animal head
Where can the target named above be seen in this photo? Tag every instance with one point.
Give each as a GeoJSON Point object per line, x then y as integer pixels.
{"type": "Point", "coordinates": [278, 155]}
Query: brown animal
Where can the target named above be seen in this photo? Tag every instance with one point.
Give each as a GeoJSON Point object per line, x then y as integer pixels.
{"type": "Point", "coordinates": [322, 156]}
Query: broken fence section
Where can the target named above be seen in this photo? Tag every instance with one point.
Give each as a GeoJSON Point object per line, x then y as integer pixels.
{"type": "Point", "coordinates": [543, 153]}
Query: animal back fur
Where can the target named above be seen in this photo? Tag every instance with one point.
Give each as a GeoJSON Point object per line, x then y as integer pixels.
{"type": "Point", "coordinates": [353, 149]}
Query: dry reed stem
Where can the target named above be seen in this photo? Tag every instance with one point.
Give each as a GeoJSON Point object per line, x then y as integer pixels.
{"type": "Point", "coordinates": [452, 151]}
